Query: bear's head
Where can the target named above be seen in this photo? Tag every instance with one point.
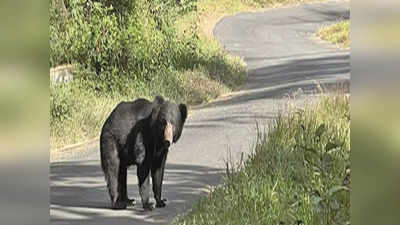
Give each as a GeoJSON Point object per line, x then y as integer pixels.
{"type": "Point", "coordinates": [167, 120]}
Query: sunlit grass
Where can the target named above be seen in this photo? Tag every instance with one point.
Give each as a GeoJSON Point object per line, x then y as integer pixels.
{"type": "Point", "coordinates": [338, 33]}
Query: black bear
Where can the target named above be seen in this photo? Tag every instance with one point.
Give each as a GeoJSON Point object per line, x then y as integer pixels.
{"type": "Point", "coordinates": [139, 133]}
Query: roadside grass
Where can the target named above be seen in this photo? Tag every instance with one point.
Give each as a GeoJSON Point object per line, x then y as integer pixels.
{"type": "Point", "coordinates": [299, 173]}
{"type": "Point", "coordinates": [338, 33]}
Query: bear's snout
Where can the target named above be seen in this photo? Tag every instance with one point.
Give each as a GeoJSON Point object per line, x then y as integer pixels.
{"type": "Point", "coordinates": [168, 135]}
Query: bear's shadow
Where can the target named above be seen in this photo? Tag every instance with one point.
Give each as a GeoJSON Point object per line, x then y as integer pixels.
{"type": "Point", "coordinates": [79, 189]}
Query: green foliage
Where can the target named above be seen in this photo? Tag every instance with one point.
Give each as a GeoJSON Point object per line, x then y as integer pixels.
{"type": "Point", "coordinates": [61, 106]}
{"type": "Point", "coordinates": [299, 173]}
{"type": "Point", "coordinates": [103, 41]}
{"type": "Point", "coordinates": [132, 45]}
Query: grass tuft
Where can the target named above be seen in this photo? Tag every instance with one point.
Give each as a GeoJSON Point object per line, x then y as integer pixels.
{"type": "Point", "coordinates": [338, 33]}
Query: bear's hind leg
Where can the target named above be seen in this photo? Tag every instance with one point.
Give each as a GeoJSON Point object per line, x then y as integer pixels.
{"type": "Point", "coordinates": [116, 187]}
{"type": "Point", "coordinates": [143, 173]}
{"type": "Point", "coordinates": [122, 187]}
{"type": "Point", "coordinates": [122, 199]}
{"type": "Point", "coordinates": [114, 178]}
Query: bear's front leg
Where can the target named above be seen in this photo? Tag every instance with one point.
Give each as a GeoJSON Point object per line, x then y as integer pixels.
{"type": "Point", "coordinates": [143, 173]}
{"type": "Point", "coordinates": [157, 173]}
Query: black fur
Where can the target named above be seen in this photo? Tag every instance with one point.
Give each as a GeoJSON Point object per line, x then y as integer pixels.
{"type": "Point", "coordinates": [133, 135]}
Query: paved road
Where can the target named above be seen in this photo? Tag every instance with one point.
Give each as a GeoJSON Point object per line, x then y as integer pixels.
{"type": "Point", "coordinates": [282, 57]}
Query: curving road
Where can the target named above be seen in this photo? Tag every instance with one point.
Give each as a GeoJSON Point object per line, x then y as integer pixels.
{"type": "Point", "coordinates": [282, 57]}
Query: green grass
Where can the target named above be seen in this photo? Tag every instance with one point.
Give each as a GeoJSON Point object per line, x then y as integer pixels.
{"type": "Point", "coordinates": [338, 33]}
{"type": "Point", "coordinates": [298, 173]}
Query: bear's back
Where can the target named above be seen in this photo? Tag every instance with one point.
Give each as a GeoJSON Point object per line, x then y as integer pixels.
{"type": "Point", "coordinates": [124, 117]}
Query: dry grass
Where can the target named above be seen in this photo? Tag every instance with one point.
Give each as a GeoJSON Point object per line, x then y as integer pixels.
{"type": "Point", "coordinates": [211, 11]}
{"type": "Point", "coordinates": [338, 33]}
{"type": "Point", "coordinates": [201, 89]}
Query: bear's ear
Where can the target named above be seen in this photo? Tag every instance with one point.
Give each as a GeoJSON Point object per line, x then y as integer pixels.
{"type": "Point", "coordinates": [183, 110]}
{"type": "Point", "coordinates": [158, 100]}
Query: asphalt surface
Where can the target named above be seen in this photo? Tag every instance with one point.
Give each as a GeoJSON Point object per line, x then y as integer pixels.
{"type": "Point", "coordinates": [282, 56]}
